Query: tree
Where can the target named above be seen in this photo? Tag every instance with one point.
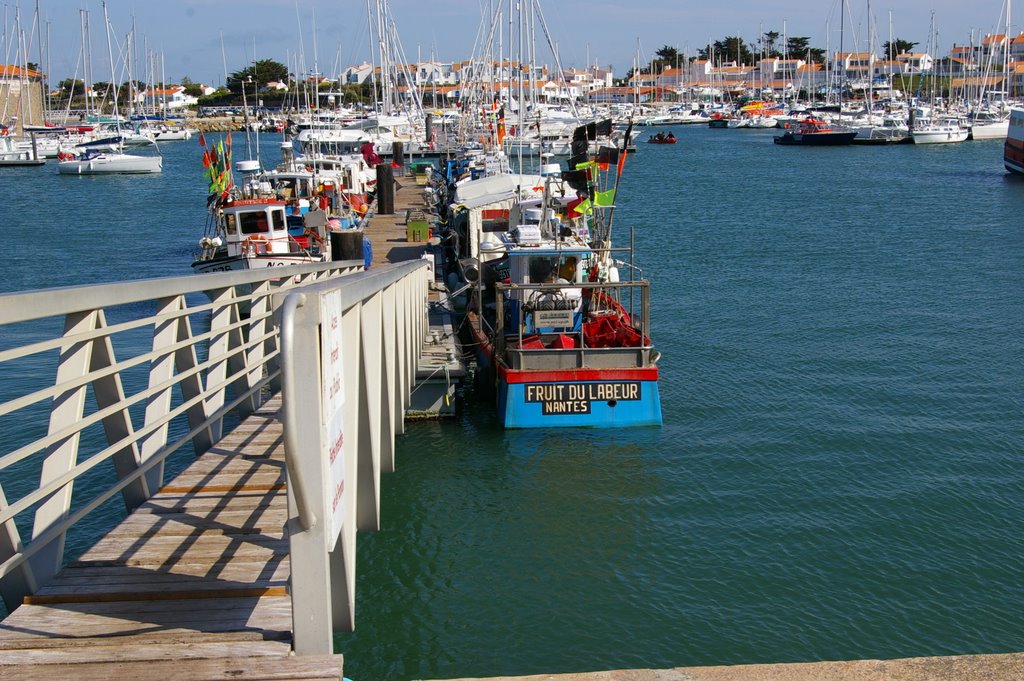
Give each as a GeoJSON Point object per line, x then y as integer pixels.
{"type": "Point", "coordinates": [768, 41]}
{"type": "Point", "coordinates": [261, 72]}
{"type": "Point", "coordinates": [731, 48]}
{"type": "Point", "coordinates": [664, 58]}
{"type": "Point", "coordinates": [898, 46]}
{"type": "Point", "coordinates": [799, 47]}
{"type": "Point", "coordinates": [71, 86]}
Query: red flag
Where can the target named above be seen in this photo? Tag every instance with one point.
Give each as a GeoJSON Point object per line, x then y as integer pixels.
{"type": "Point", "coordinates": [571, 211]}
{"type": "Point", "coordinates": [206, 158]}
{"type": "Point", "coordinates": [625, 147]}
{"type": "Point", "coordinates": [202, 140]}
{"type": "Point", "coordinates": [227, 139]}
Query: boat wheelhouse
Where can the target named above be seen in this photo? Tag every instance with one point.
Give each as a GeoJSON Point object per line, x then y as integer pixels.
{"type": "Point", "coordinates": [255, 233]}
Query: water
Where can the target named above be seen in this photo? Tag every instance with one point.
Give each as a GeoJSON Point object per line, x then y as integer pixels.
{"type": "Point", "coordinates": [839, 472]}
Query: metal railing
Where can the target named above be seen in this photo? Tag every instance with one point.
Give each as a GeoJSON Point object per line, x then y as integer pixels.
{"type": "Point", "coordinates": [354, 342]}
{"type": "Point", "coordinates": [618, 299]}
{"type": "Point", "coordinates": [101, 385]}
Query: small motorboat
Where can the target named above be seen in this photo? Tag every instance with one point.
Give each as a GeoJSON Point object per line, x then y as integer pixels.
{"type": "Point", "coordinates": [661, 139]}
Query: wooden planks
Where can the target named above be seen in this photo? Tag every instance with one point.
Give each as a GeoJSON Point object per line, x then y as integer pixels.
{"type": "Point", "coordinates": [193, 585]}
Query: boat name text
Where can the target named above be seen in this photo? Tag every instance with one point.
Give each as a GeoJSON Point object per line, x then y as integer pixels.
{"type": "Point", "coordinates": [575, 398]}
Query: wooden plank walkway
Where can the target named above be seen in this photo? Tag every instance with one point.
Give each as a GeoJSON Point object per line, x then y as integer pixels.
{"type": "Point", "coordinates": [387, 233]}
{"type": "Point", "coordinates": [441, 365]}
{"type": "Point", "coordinates": [193, 585]}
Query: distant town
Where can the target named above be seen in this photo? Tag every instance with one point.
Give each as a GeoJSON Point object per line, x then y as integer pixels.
{"type": "Point", "coordinates": [728, 68]}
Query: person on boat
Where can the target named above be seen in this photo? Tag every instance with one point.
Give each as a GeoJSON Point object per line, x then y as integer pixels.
{"type": "Point", "coordinates": [660, 137]}
{"type": "Point", "coordinates": [567, 271]}
{"type": "Point", "coordinates": [670, 136]}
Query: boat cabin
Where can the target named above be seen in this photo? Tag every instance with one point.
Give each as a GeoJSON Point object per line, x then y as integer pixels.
{"type": "Point", "coordinates": [256, 227]}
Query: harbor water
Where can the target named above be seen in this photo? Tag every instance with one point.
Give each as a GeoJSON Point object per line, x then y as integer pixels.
{"type": "Point", "coordinates": [839, 471]}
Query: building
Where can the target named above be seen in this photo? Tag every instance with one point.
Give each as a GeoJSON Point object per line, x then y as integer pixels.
{"type": "Point", "coordinates": [21, 97]}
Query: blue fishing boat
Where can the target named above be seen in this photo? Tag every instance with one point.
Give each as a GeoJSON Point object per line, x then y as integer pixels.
{"type": "Point", "coordinates": [559, 336]}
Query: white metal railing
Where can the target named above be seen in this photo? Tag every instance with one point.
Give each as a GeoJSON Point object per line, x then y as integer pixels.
{"type": "Point", "coordinates": [351, 343]}
{"type": "Point", "coordinates": [101, 385]}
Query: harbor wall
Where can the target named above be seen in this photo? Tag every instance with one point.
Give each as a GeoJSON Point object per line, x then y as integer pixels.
{"type": "Point", "coordinates": [994, 667]}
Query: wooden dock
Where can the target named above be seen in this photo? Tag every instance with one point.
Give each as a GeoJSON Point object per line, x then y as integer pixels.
{"type": "Point", "coordinates": [194, 584]}
{"type": "Point", "coordinates": [441, 366]}
{"type": "Point", "coordinates": [388, 233]}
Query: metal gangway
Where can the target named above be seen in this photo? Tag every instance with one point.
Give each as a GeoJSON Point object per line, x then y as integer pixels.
{"type": "Point", "coordinates": [184, 464]}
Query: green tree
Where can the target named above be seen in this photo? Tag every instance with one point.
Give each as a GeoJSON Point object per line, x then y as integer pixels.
{"type": "Point", "coordinates": [891, 48]}
{"type": "Point", "coordinates": [71, 86]}
{"type": "Point", "coordinates": [666, 57]}
{"type": "Point", "coordinates": [732, 48]}
{"type": "Point", "coordinates": [799, 47]}
{"type": "Point", "coordinates": [261, 72]}
{"type": "Point", "coordinates": [768, 44]}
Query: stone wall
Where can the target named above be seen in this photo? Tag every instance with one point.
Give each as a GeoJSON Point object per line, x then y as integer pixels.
{"type": "Point", "coordinates": [23, 100]}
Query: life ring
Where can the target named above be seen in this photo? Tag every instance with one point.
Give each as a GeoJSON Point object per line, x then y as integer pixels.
{"type": "Point", "coordinates": [255, 244]}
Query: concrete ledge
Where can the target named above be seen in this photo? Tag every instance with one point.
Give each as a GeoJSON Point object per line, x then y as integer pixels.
{"type": "Point", "coordinates": [998, 667]}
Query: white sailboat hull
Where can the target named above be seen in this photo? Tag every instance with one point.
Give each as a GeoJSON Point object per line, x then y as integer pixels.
{"type": "Point", "coordinates": [990, 131]}
{"type": "Point", "coordinates": [108, 163]}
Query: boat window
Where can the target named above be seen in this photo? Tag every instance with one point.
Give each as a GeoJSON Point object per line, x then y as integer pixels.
{"type": "Point", "coordinates": [542, 268]}
{"type": "Point", "coordinates": [278, 218]}
{"type": "Point", "coordinates": [230, 225]}
{"type": "Point", "coordinates": [254, 223]}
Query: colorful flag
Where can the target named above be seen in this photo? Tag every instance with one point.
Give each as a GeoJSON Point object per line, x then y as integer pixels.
{"type": "Point", "coordinates": [577, 179]}
{"type": "Point", "coordinates": [202, 140]}
{"type": "Point", "coordinates": [625, 146]}
{"type": "Point", "coordinates": [606, 198]}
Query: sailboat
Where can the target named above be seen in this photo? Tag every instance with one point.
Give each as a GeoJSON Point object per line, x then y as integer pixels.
{"type": "Point", "coordinates": [97, 162]}
{"type": "Point", "coordinates": [991, 119]}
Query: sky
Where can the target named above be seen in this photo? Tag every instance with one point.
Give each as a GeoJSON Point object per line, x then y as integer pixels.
{"type": "Point", "coordinates": [203, 39]}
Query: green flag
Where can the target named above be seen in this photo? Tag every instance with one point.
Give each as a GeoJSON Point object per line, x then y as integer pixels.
{"type": "Point", "coordinates": [606, 198]}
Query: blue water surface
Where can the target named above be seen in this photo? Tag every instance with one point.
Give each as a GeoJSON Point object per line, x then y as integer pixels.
{"type": "Point", "coordinates": [840, 470]}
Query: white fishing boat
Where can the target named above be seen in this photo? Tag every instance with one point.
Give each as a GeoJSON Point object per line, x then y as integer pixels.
{"type": "Point", "coordinates": [255, 233]}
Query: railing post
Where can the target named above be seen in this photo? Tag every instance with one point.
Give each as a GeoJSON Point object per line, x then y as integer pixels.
{"type": "Point", "coordinates": [364, 337]}
{"type": "Point", "coordinates": [391, 399]}
{"type": "Point", "coordinates": [370, 404]}
{"type": "Point", "coordinates": [74, 362]}
{"type": "Point", "coordinates": [307, 470]}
